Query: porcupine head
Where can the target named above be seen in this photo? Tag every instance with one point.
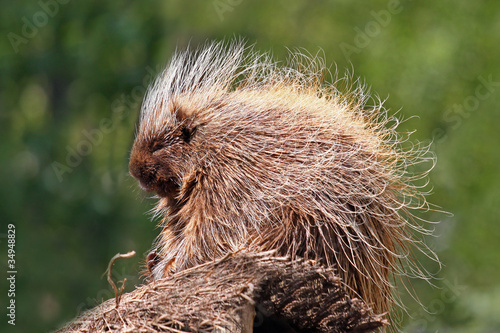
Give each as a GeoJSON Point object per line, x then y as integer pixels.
{"type": "Point", "coordinates": [245, 153]}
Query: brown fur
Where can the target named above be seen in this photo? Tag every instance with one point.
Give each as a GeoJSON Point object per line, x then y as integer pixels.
{"type": "Point", "coordinates": [245, 154]}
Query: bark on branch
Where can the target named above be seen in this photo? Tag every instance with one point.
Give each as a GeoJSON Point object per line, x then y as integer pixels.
{"type": "Point", "coordinates": [242, 292]}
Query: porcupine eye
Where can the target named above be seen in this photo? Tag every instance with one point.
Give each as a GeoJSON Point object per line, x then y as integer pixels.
{"type": "Point", "coordinates": [187, 133]}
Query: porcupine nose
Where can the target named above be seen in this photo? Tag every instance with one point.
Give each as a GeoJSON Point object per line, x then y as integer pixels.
{"type": "Point", "coordinates": [138, 168]}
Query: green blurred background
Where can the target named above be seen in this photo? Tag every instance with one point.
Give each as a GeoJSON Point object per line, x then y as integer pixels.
{"type": "Point", "coordinates": [73, 75]}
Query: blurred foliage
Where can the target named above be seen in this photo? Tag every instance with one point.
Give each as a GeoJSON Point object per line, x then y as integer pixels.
{"type": "Point", "coordinates": [73, 75]}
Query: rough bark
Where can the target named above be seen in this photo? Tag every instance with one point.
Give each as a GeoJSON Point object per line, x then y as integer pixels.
{"type": "Point", "coordinates": [241, 293]}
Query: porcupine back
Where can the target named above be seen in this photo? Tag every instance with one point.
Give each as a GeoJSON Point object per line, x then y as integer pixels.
{"type": "Point", "coordinates": [274, 158]}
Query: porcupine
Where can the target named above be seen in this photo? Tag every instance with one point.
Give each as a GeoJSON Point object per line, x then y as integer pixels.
{"type": "Point", "coordinates": [246, 153]}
